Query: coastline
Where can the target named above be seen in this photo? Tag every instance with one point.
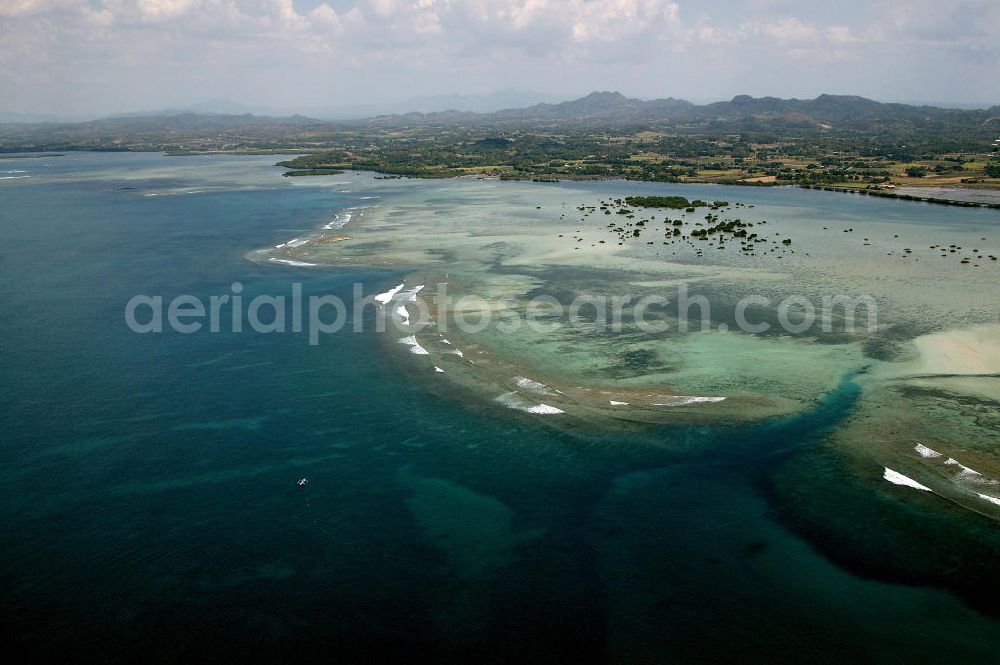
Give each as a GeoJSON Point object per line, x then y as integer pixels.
{"type": "Point", "coordinates": [902, 195]}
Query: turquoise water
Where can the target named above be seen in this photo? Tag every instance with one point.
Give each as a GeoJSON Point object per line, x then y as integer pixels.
{"type": "Point", "coordinates": [148, 482]}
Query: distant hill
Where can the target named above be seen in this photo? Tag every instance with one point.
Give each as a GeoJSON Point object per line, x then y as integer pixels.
{"type": "Point", "coordinates": [827, 116]}
{"type": "Point", "coordinates": [473, 103]}
{"type": "Point", "coordinates": [6, 117]}
{"type": "Point", "coordinates": [741, 113]}
{"type": "Point", "coordinates": [606, 106]}
{"type": "Point", "coordinates": [180, 131]}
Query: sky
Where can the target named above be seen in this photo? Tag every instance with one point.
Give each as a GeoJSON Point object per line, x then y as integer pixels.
{"type": "Point", "coordinates": [94, 57]}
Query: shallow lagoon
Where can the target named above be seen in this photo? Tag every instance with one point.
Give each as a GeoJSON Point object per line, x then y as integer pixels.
{"type": "Point", "coordinates": [150, 499]}
{"type": "Point", "coordinates": [504, 243]}
{"type": "Point", "coordinates": [928, 369]}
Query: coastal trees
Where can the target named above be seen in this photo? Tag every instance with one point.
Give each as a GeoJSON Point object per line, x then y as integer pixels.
{"type": "Point", "coordinates": [672, 202]}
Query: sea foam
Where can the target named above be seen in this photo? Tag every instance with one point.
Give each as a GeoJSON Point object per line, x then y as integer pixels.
{"type": "Point", "coordinates": [970, 475]}
{"type": "Point", "coordinates": [525, 383]}
{"type": "Point", "coordinates": [965, 473]}
{"type": "Point", "coordinates": [289, 262]}
{"type": "Point", "coordinates": [340, 220]}
{"type": "Point", "coordinates": [411, 295]}
{"type": "Point", "coordinates": [514, 401]}
{"type": "Point", "coordinates": [897, 478]}
{"type": "Point", "coordinates": [682, 400]}
{"type": "Point", "coordinates": [403, 314]}
{"type": "Point", "coordinates": [415, 347]}
{"type": "Point", "coordinates": [924, 451]}
{"type": "Point", "coordinates": [385, 297]}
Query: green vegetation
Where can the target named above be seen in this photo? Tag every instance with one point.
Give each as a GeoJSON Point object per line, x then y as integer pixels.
{"type": "Point", "coordinates": [573, 153]}
{"type": "Point", "coordinates": [673, 202]}
{"type": "Point", "coordinates": [846, 143]}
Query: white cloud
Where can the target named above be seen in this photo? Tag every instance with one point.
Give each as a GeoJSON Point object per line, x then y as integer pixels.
{"type": "Point", "coordinates": [28, 7]}
{"type": "Point", "coordinates": [611, 20]}
{"type": "Point", "coordinates": [163, 52]}
{"type": "Point", "coordinates": [787, 30]}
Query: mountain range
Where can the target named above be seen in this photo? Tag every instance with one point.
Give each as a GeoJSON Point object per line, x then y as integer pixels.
{"type": "Point", "coordinates": [823, 112]}
{"type": "Point", "coordinates": [853, 117]}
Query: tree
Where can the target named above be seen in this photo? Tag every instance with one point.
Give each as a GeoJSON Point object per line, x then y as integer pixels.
{"type": "Point", "coordinates": [916, 172]}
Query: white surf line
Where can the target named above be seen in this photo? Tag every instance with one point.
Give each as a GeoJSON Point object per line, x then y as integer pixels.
{"type": "Point", "coordinates": [897, 478]}
{"type": "Point", "coordinates": [924, 451]}
{"type": "Point", "coordinates": [384, 298]}
{"type": "Point", "coordinates": [544, 408]}
{"type": "Point", "coordinates": [438, 369]}
{"type": "Point", "coordinates": [340, 220]}
{"type": "Point", "coordinates": [964, 471]}
{"type": "Point", "coordinates": [411, 295]}
{"type": "Point", "coordinates": [13, 177]}
{"type": "Point", "coordinates": [289, 262]}
{"type": "Point", "coordinates": [987, 497]}
{"type": "Point", "coordinates": [965, 474]}
{"type": "Point", "coordinates": [414, 346]}
{"type": "Point", "coordinates": [683, 400]}
{"type": "Point", "coordinates": [614, 403]}
{"type": "Point", "coordinates": [525, 383]}
{"type": "Point", "coordinates": [970, 475]}
{"type": "Point", "coordinates": [407, 296]}
{"type": "Point", "coordinates": [513, 401]}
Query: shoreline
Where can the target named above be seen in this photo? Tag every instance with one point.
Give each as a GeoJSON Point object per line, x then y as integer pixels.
{"type": "Point", "coordinates": [909, 197]}
{"type": "Point", "coordinates": [540, 179]}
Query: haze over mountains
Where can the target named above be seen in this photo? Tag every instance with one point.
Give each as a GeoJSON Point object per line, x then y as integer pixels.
{"type": "Point", "coordinates": [477, 103]}
{"type": "Point", "coordinates": [597, 107]}
{"type": "Point", "coordinates": [830, 115]}
{"type": "Point", "coordinates": [613, 107]}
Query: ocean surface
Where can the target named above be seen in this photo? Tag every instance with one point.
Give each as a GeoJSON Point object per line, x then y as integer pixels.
{"type": "Point", "coordinates": [150, 504]}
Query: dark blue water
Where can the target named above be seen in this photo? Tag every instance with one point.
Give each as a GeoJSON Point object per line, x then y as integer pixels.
{"type": "Point", "coordinates": [150, 507]}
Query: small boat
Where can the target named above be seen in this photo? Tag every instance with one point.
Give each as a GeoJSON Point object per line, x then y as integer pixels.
{"type": "Point", "coordinates": [303, 482]}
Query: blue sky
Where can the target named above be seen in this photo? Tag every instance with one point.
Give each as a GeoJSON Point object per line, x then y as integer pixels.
{"type": "Point", "coordinates": [104, 56]}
